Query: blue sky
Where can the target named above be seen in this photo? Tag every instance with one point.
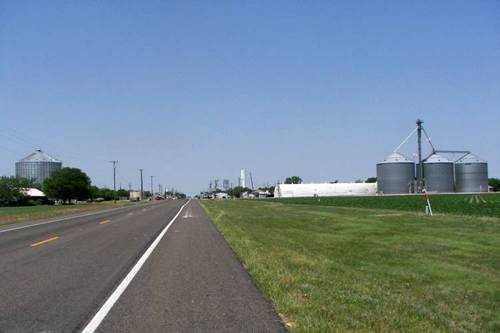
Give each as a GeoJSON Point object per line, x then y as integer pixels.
{"type": "Point", "coordinates": [192, 91]}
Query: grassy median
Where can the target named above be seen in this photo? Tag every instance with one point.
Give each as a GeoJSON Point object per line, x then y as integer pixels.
{"type": "Point", "coordinates": [328, 269]}
{"type": "Point", "coordinates": [10, 215]}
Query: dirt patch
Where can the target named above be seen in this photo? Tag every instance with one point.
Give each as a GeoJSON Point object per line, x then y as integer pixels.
{"type": "Point", "coordinates": [388, 214]}
{"type": "Point", "coordinates": [5, 220]}
{"type": "Point", "coordinates": [302, 261]}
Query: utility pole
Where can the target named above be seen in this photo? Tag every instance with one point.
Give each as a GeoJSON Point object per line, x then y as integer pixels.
{"type": "Point", "coordinates": [420, 173]}
{"type": "Point", "coordinates": [142, 188]}
{"type": "Point", "coordinates": [152, 191]}
{"type": "Point", "coordinates": [114, 180]}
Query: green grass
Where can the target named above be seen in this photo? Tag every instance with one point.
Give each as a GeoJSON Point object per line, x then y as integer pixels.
{"type": "Point", "coordinates": [10, 215]}
{"type": "Point", "coordinates": [331, 269]}
{"type": "Point", "coordinates": [487, 204]}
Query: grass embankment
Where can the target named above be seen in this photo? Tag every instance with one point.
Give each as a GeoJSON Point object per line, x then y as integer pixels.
{"type": "Point", "coordinates": [328, 269]}
{"type": "Point", "coordinates": [485, 204]}
{"type": "Point", "coordinates": [28, 213]}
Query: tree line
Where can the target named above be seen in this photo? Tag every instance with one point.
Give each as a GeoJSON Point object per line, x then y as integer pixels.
{"type": "Point", "coordinates": [66, 185]}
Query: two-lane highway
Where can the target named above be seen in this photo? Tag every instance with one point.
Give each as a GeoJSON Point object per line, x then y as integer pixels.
{"type": "Point", "coordinates": [54, 276]}
{"type": "Point", "coordinates": [161, 267]}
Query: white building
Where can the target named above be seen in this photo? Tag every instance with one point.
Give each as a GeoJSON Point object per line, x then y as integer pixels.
{"type": "Point", "coordinates": [221, 195]}
{"type": "Point", "coordinates": [33, 193]}
{"type": "Point", "coordinates": [324, 190]}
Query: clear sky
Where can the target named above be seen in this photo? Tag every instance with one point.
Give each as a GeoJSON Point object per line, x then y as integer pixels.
{"type": "Point", "coordinates": [196, 90]}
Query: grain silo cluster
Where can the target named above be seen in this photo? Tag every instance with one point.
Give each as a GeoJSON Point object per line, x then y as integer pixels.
{"type": "Point", "coordinates": [397, 174]}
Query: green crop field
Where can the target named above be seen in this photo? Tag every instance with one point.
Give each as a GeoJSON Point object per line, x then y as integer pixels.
{"type": "Point", "coordinates": [486, 204]}
{"type": "Point", "coordinates": [348, 269]}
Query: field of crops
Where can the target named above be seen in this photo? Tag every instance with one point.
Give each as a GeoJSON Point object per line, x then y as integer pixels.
{"type": "Point", "coordinates": [487, 204]}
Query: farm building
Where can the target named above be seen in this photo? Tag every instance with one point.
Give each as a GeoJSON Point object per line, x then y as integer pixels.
{"type": "Point", "coordinates": [324, 189]}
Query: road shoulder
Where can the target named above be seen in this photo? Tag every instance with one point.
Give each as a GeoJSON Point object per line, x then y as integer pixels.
{"type": "Point", "coordinates": [193, 282]}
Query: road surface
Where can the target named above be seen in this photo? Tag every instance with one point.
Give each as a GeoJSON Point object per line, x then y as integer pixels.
{"type": "Point", "coordinates": [56, 277]}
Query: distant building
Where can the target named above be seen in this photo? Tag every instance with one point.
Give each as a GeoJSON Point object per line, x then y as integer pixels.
{"type": "Point", "coordinates": [34, 193]}
{"type": "Point", "coordinates": [225, 184]}
{"type": "Point", "coordinates": [243, 180]}
{"type": "Point", "coordinates": [135, 196]}
{"type": "Point", "coordinates": [37, 166]}
{"type": "Point", "coordinates": [324, 190]}
{"type": "Point", "coordinates": [263, 194]}
{"type": "Point", "coordinates": [221, 195]}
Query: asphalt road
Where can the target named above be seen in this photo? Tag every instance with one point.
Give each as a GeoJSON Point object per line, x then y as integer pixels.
{"type": "Point", "coordinates": [55, 277]}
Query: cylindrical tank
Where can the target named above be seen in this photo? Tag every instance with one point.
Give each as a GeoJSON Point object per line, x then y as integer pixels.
{"type": "Point", "coordinates": [37, 166]}
{"type": "Point", "coordinates": [471, 174]}
{"type": "Point", "coordinates": [395, 175]}
{"type": "Point", "coordinates": [438, 174]}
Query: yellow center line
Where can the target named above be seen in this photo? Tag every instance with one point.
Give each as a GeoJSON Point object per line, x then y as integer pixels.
{"type": "Point", "coordinates": [105, 221]}
{"type": "Point", "coordinates": [44, 241]}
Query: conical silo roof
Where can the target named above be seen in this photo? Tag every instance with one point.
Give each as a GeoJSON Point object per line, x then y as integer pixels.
{"type": "Point", "coordinates": [470, 158]}
{"type": "Point", "coordinates": [435, 158]}
{"type": "Point", "coordinates": [39, 156]}
{"type": "Point", "coordinates": [395, 158]}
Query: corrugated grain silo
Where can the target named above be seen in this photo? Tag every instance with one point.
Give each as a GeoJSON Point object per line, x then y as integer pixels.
{"type": "Point", "coordinates": [37, 166]}
{"type": "Point", "coordinates": [395, 175]}
{"type": "Point", "coordinates": [438, 174]}
{"type": "Point", "coordinates": [471, 174]}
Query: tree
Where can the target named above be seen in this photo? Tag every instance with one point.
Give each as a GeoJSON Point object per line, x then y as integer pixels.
{"type": "Point", "coordinates": [371, 180]}
{"type": "Point", "coordinates": [67, 184]}
{"type": "Point", "coordinates": [121, 193]}
{"type": "Point", "coordinates": [495, 183]}
{"type": "Point", "coordinates": [293, 180]}
{"type": "Point", "coordinates": [237, 191]}
{"type": "Point", "coordinates": [12, 190]}
{"type": "Point", "coordinates": [178, 195]}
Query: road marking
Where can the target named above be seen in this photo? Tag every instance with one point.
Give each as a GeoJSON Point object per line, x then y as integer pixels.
{"type": "Point", "coordinates": [187, 214]}
{"type": "Point", "coordinates": [130, 214]}
{"type": "Point", "coordinates": [104, 310]}
{"type": "Point", "coordinates": [105, 221]}
{"type": "Point", "coordinates": [44, 241]}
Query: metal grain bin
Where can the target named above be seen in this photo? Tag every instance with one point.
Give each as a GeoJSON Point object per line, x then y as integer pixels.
{"type": "Point", "coordinates": [438, 174]}
{"type": "Point", "coordinates": [395, 175]}
{"type": "Point", "coordinates": [471, 174]}
{"type": "Point", "coordinates": [37, 166]}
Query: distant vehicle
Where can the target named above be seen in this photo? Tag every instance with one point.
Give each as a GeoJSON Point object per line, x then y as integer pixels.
{"type": "Point", "coordinates": [98, 199]}
{"type": "Point", "coordinates": [159, 197]}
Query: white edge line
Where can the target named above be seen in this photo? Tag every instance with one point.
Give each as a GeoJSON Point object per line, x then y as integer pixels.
{"type": "Point", "coordinates": [65, 218]}
{"type": "Point", "coordinates": [113, 298]}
